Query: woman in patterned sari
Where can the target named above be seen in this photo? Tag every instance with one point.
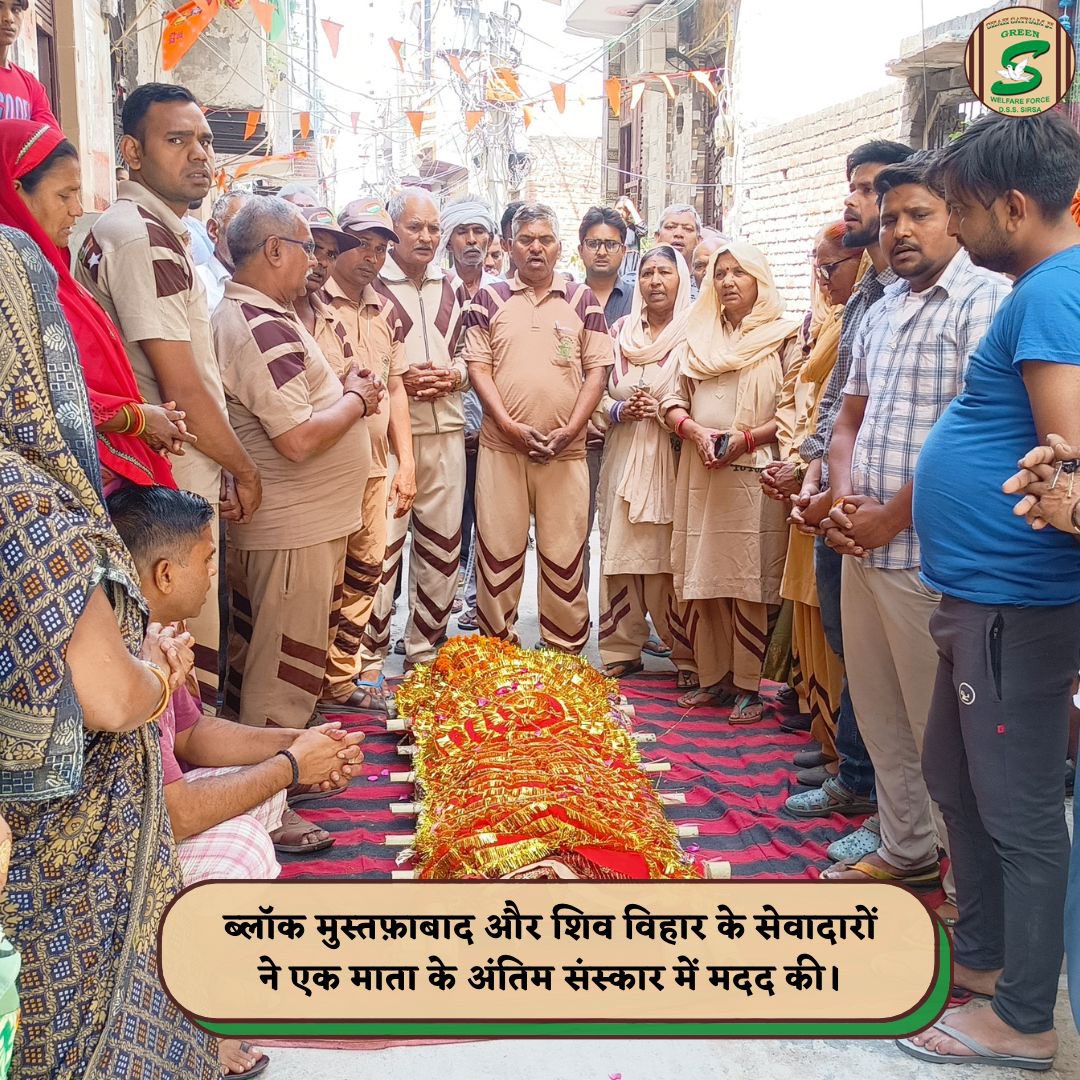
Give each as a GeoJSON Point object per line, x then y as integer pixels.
{"type": "Point", "coordinates": [92, 864]}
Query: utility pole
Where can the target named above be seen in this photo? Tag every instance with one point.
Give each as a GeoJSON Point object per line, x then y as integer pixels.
{"type": "Point", "coordinates": [427, 43]}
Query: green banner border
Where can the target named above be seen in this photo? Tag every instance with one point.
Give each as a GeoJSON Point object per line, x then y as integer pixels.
{"type": "Point", "coordinates": [918, 1019]}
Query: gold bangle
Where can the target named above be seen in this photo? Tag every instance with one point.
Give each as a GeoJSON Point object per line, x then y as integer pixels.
{"type": "Point", "coordinates": [839, 501]}
{"type": "Point", "coordinates": [166, 691]}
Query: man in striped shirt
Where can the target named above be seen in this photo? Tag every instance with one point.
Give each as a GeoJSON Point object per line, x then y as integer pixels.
{"type": "Point", "coordinates": [539, 355]}
{"type": "Point", "coordinates": [908, 363]}
{"type": "Point", "coordinates": [429, 309]}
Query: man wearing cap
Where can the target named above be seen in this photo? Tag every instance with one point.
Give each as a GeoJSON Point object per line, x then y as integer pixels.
{"type": "Point", "coordinates": [303, 427]}
{"type": "Point", "coordinates": [376, 336]}
{"type": "Point", "coordinates": [430, 312]}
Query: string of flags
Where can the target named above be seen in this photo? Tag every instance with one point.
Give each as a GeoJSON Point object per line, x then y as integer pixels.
{"type": "Point", "coordinates": [184, 25]}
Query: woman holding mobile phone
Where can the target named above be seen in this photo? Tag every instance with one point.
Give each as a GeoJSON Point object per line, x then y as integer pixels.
{"type": "Point", "coordinates": [728, 539]}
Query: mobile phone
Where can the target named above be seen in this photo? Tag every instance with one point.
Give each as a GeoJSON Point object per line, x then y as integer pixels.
{"type": "Point", "coordinates": [720, 445]}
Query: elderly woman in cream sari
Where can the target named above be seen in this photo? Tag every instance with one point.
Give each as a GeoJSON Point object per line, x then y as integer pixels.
{"type": "Point", "coordinates": [728, 539]}
{"type": "Point", "coordinates": [636, 495]}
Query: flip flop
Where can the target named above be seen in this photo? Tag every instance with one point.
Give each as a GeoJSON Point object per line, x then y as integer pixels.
{"type": "Point", "coordinates": [717, 696]}
{"type": "Point", "coordinates": [980, 1055]}
{"type": "Point", "coordinates": [655, 647]}
{"type": "Point", "coordinates": [745, 701]}
{"type": "Point", "coordinates": [255, 1070]}
{"type": "Point", "coordinates": [687, 680]}
{"type": "Point", "coordinates": [926, 877]}
{"type": "Point", "coordinates": [623, 669]}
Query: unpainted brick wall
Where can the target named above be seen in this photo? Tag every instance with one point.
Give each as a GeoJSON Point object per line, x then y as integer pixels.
{"type": "Point", "coordinates": [565, 175]}
{"type": "Point", "coordinates": [790, 181]}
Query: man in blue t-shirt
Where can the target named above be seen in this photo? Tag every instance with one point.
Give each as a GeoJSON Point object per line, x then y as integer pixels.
{"type": "Point", "coordinates": [1008, 626]}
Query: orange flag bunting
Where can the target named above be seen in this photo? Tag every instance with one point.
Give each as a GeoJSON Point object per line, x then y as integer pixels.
{"type": "Point", "coordinates": [455, 64]}
{"type": "Point", "coordinates": [705, 79]}
{"type": "Point", "coordinates": [253, 119]}
{"type": "Point", "coordinates": [332, 30]}
{"type": "Point", "coordinates": [527, 113]}
{"type": "Point", "coordinates": [558, 92]}
{"type": "Point", "coordinates": [305, 125]}
{"type": "Point", "coordinates": [264, 12]}
{"type": "Point", "coordinates": [507, 75]}
{"type": "Point", "coordinates": [613, 89]}
{"type": "Point", "coordinates": [472, 118]}
{"type": "Point", "coordinates": [635, 94]}
{"type": "Point", "coordinates": [183, 27]}
{"type": "Point", "coordinates": [416, 118]}
{"type": "Point", "coordinates": [355, 117]}
{"type": "Point", "coordinates": [248, 166]}
{"type": "Point", "coordinates": [395, 45]}
{"type": "Point", "coordinates": [668, 86]}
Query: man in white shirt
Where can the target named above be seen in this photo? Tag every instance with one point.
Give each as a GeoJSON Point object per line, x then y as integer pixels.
{"type": "Point", "coordinates": [217, 270]}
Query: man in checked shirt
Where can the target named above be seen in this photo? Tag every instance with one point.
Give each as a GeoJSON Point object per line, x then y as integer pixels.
{"type": "Point", "coordinates": [908, 363]}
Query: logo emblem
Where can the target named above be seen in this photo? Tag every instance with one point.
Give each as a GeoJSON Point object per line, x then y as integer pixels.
{"type": "Point", "coordinates": [966, 693]}
{"type": "Point", "coordinates": [1020, 61]}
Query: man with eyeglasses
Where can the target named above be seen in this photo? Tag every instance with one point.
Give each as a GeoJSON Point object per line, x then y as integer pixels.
{"type": "Point", "coordinates": [602, 247]}
{"type": "Point", "coordinates": [303, 426]}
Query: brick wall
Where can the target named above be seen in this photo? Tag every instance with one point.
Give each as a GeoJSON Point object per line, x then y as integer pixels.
{"type": "Point", "coordinates": [565, 174]}
{"type": "Point", "coordinates": [790, 181]}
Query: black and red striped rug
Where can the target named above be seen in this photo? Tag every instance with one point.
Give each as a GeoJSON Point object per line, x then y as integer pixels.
{"type": "Point", "coordinates": [735, 780]}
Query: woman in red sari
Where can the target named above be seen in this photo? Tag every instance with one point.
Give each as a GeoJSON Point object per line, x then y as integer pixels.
{"type": "Point", "coordinates": [40, 195]}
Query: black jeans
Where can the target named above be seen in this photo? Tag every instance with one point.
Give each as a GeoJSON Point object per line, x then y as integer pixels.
{"type": "Point", "coordinates": [995, 740]}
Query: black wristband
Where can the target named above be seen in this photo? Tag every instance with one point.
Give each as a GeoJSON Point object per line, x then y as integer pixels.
{"type": "Point", "coordinates": [363, 400]}
{"type": "Point", "coordinates": [292, 762]}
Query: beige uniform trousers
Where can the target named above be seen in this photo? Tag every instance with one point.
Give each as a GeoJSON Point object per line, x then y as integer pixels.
{"type": "Point", "coordinates": [283, 609]}
{"type": "Point", "coordinates": [625, 601]}
{"type": "Point", "coordinates": [729, 637]}
{"type": "Point", "coordinates": [363, 572]}
{"type": "Point", "coordinates": [435, 521]}
{"type": "Point", "coordinates": [891, 659]}
{"type": "Point", "coordinates": [510, 489]}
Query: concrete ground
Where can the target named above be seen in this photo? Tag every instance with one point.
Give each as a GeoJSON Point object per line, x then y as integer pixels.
{"type": "Point", "coordinates": [594, 1059]}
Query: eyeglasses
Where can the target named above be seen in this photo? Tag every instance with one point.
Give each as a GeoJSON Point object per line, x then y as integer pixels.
{"type": "Point", "coordinates": [610, 246]}
{"type": "Point", "coordinates": [307, 245]}
{"type": "Point", "coordinates": [825, 271]}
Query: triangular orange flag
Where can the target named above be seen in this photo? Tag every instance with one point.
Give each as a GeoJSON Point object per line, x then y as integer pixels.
{"type": "Point", "coordinates": [395, 45]}
{"type": "Point", "coordinates": [305, 125]}
{"type": "Point", "coordinates": [705, 78]}
{"type": "Point", "coordinates": [527, 113]}
{"type": "Point", "coordinates": [455, 64]}
{"type": "Point", "coordinates": [264, 12]}
{"type": "Point", "coordinates": [507, 75]}
{"type": "Point", "coordinates": [416, 118]}
{"type": "Point", "coordinates": [472, 118]}
{"type": "Point", "coordinates": [183, 26]}
{"type": "Point", "coordinates": [613, 89]}
{"type": "Point", "coordinates": [667, 86]}
{"type": "Point", "coordinates": [253, 119]}
{"type": "Point", "coordinates": [635, 94]}
{"type": "Point", "coordinates": [558, 92]}
{"type": "Point", "coordinates": [332, 30]}
{"type": "Point", "coordinates": [355, 117]}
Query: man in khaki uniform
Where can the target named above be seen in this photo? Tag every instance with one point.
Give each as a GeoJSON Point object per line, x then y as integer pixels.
{"type": "Point", "coordinates": [374, 334]}
{"type": "Point", "coordinates": [539, 355]}
{"type": "Point", "coordinates": [303, 425]}
{"type": "Point", "coordinates": [424, 299]}
{"type": "Point", "coordinates": [136, 261]}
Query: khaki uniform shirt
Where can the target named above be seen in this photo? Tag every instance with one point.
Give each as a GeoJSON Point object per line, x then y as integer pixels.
{"type": "Point", "coordinates": [432, 318]}
{"type": "Point", "coordinates": [276, 378]}
{"type": "Point", "coordinates": [377, 336]}
{"type": "Point", "coordinates": [136, 261]}
{"type": "Point", "coordinates": [538, 352]}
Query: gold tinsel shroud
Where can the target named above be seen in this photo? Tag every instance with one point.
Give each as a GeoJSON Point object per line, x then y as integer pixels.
{"type": "Point", "coordinates": [520, 755]}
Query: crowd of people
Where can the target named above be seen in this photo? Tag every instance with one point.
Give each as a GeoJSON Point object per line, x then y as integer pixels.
{"type": "Point", "coordinates": [261, 417]}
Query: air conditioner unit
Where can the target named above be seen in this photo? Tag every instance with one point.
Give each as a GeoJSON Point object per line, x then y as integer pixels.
{"type": "Point", "coordinates": [651, 36]}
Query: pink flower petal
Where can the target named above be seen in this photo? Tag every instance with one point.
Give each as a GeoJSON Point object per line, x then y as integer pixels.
{"type": "Point", "coordinates": [372, 778]}
{"type": "Point", "coordinates": [692, 848]}
{"type": "Point", "coordinates": [614, 1076]}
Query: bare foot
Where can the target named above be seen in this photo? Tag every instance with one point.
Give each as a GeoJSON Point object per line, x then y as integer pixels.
{"type": "Point", "coordinates": [236, 1056]}
{"type": "Point", "coordinates": [986, 1027]}
{"type": "Point", "coordinates": [980, 982]}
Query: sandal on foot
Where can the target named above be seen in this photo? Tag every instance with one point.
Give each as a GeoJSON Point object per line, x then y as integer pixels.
{"type": "Point", "coordinates": [749, 709]}
{"type": "Point", "coordinates": [719, 696]}
{"type": "Point", "coordinates": [655, 647]}
{"type": "Point", "coordinates": [289, 839]}
{"type": "Point", "coordinates": [687, 680]}
{"type": "Point", "coordinates": [623, 668]}
{"type": "Point", "coordinates": [924, 877]}
{"type": "Point", "coordinates": [980, 1055]}
{"type": "Point", "coordinates": [248, 1074]}
{"type": "Point", "coordinates": [299, 794]}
